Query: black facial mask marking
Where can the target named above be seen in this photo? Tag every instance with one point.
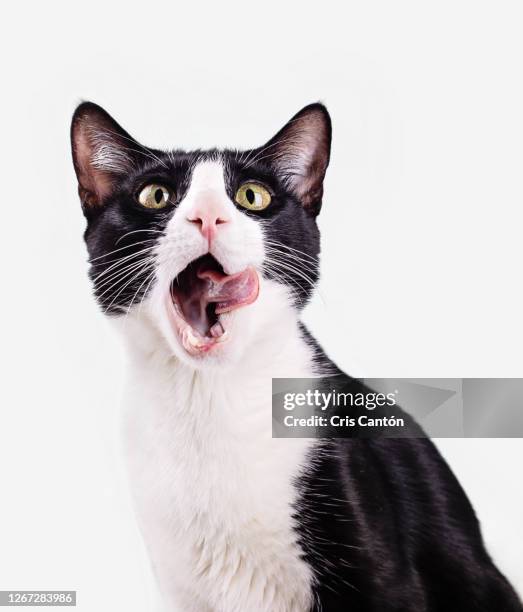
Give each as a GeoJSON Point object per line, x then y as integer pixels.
{"type": "Point", "coordinates": [121, 234]}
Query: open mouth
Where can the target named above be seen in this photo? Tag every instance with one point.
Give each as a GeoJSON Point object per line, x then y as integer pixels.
{"type": "Point", "coordinates": [201, 294]}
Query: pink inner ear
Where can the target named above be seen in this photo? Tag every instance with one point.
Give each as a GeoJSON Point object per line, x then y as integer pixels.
{"type": "Point", "coordinates": [101, 151]}
{"type": "Point", "coordinates": [310, 150]}
{"type": "Point", "coordinates": [302, 153]}
{"type": "Point", "coordinates": [95, 184]}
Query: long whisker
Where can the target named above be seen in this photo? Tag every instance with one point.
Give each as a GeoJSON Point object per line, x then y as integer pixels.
{"type": "Point", "coordinates": [290, 283]}
{"type": "Point", "coordinates": [279, 263]}
{"type": "Point", "coordinates": [132, 279]}
{"type": "Point", "coordinates": [152, 231]}
{"type": "Point", "coordinates": [119, 259]}
{"type": "Point", "coordinates": [286, 246]}
{"type": "Point", "coordinates": [122, 261]}
{"type": "Point", "coordinates": [291, 268]}
{"type": "Point", "coordinates": [117, 272]}
{"type": "Point", "coordinates": [298, 261]}
{"type": "Point", "coordinates": [120, 249]}
{"type": "Point", "coordinates": [146, 291]}
{"type": "Point", "coordinates": [147, 278]}
{"type": "Point", "coordinates": [117, 275]}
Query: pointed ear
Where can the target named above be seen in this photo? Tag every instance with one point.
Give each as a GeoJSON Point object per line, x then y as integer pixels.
{"type": "Point", "coordinates": [300, 153]}
{"type": "Point", "coordinates": [102, 153]}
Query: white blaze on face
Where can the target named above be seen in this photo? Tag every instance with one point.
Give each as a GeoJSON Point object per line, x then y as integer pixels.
{"type": "Point", "coordinates": [236, 240]}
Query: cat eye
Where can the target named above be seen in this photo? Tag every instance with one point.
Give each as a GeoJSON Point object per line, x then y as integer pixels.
{"type": "Point", "coordinates": [253, 196]}
{"type": "Point", "coordinates": [155, 196]}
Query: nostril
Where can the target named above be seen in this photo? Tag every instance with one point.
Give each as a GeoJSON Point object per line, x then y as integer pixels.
{"type": "Point", "coordinates": [199, 221]}
{"type": "Point", "coordinates": [196, 220]}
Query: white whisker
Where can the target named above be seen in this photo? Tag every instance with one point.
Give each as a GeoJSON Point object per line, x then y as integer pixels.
{"type": "Point", "coordinates": [116, 276]}
{"type": "Point", "coordinates": [120, 262]}
{"type": "Point", "coordinates": [120, 249]}
{"type": "Point", "coordinates": [132, 279]}
{"type": "Point", "coordinates": [152, 231]}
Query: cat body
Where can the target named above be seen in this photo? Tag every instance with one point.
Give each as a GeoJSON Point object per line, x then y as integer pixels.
{"type": "Point", "coordinates": [204, 261]}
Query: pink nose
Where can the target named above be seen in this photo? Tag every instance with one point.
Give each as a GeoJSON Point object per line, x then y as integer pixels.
{"type": "Point", "coordinates": [207, 217]}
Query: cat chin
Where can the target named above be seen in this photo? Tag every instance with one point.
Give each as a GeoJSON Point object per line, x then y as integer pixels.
{"type": "Point", "coordinates": [250, 330]}
{"type": "Point", "coordinates": [194, 344]}
{"type": "Point", "coordinates": [207, 353]}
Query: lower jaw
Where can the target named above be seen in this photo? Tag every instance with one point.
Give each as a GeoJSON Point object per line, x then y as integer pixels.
{"type": "Point", "coordinates": [207, 296]}
{"type": "Point", "coordinates": [193, 343]}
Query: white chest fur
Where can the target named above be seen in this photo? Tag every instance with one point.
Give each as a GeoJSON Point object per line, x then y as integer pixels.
{"type": "Point", "coordinates": [213, 490]}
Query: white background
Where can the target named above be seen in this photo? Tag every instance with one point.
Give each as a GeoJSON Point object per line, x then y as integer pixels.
{"type": "Point", "coordinates": [421, 227]}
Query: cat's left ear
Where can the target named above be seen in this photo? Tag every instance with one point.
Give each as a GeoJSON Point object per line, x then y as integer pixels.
{"type": "Point", "coordinates": [300, 154]}
{"type": "Point", "coordinates": [102, 153]}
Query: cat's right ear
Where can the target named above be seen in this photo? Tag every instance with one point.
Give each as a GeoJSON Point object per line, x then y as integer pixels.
{"type": "Point", "coordinates": [102, 153]}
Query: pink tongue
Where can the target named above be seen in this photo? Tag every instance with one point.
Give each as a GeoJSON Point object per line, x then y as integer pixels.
{"type": "Point", "coordinates": [230, 292]}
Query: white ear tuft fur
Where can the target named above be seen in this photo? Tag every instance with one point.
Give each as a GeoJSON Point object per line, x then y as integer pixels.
{"type": "Point", "coordinates": [102, 150]}
{"type": "Point", "coordinates": [108, 155]}
{"type": "Point", "coordinates": [300, 154]}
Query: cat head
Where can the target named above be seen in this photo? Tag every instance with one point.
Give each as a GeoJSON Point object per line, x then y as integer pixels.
{"type": "Point", "coordinates": [212, 249]}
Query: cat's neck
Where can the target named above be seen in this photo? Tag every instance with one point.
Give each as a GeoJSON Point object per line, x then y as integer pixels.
{"type": "Point", "coordinates": [277, 355]}
{"type": "Point", "coordinates": [171, 399]}
{"type": "Point", "coordinates": [279, 350]}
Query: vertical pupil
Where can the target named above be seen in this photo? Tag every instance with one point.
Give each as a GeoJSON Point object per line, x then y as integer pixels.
{"type": "Point", "coordinates": [158, 196]}
{"type": "Point", "coordinates": [249, 194]}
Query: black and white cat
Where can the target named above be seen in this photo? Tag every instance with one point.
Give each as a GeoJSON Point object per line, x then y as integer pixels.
{"type": "Point", "coordinates": [205, 259]}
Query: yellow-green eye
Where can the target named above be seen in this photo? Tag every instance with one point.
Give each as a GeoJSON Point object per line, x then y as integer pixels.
{"type": "Point", "coordinates": [154, 196]}
{"type": "Point", "coordinates": [253, 196]}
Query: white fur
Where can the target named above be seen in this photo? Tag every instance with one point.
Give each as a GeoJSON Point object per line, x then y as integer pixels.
{"type": "Point", "coordinates": [107, 154]}
{"type": "Point", "coordinates": [213, 490]}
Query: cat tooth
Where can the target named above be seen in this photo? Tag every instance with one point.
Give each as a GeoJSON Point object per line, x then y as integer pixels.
{"type": "Point", "coordinates": [223, 337]}
{"type": "Point", "coordinates": [193, 340]}
{"type": "Point", "coordinates": [217, 330]}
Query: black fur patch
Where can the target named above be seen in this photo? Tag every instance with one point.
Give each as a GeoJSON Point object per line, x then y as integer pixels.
{"type": "Point", "coordinates": [387, 528]}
